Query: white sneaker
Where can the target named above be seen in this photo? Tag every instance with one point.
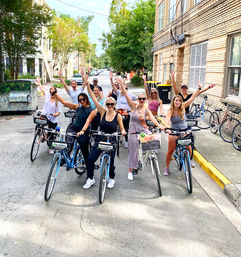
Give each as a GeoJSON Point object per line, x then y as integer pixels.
{"type": "Point", "coordinates": [126, 145]}
{"type": "Point", "coordinates": [89, 182]}
{"type": "Point", "coordinates": [130, 176]}
{"type": "Point", "coordinates": [51, 151]}
{"type": "Point", "coordinates": [111, 183]}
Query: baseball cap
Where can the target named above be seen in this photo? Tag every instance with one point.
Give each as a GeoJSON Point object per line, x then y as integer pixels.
{"type": "Point", "coordinates": [184, 86]}
{"type": "Point", "coordinates": [95, 79]}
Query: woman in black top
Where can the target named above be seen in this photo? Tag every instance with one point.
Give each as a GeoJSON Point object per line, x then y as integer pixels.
{"type": "Point", "coordinates": [108, 124]}
{"type": "Point", "coordinates": [83, 114]}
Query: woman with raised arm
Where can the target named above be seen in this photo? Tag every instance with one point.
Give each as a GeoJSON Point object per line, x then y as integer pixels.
{"type": "Point", "coordinates": [108, 124]}
{"type": "Point", "coordinates": [84, 112]}
{"type": "Point", "coordinates": [176, 119]}
{"type": "Point", "coordinates": [154, 102]}
{"type": "Point", "coordinates": [138, 117]}
{"type": "Point", "coordinates": [183, 92]}
{"type": "Point", "coordinates": [52, 109]}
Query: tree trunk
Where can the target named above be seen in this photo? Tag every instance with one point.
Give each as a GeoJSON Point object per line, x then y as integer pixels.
{"type": "Point", "coordinates": [1, 63]}
{"type": "Point", "coordinates": [17, 68]}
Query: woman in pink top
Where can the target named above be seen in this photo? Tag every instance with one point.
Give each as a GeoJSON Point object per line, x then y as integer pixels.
{"type": "Point", "coordinates": [154, 101]}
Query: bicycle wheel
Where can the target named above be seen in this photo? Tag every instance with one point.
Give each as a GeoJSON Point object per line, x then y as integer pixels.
{"type": "Point", "coordinates": [156, 172]}
{"type": "Point", "coordinates": [177, 157]}
{"type": "Point", "coordinates": [35, 145]}
{"type": "Point", "coordinates": [236, 137]}
{"type": "Point", "coordinates": [103, 180]}
{"type": "Point", "coordinates": [226, 129]}
{"type": "Point", "coordinates": [203, 117]}
{"type": "Point", "coordinates": [54, 168]}
{"type": "Point", "coordinates": [79, 158]}
{"type": "Point", "coordinates": [214, 122]}
{"type": "Point", "coordinates": [187, 172]}
{"type": "Point", "coordinates": [118, 147]}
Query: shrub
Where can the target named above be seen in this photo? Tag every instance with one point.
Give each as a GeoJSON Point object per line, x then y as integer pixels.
{"type": "Point", "coordinates": [7, 75]}
{"type": "Point", "coordinates": [58, 85]}
{"type": "Point", "coordinates": [67, 81]}
{"type": "Point", "coordinates": [75, 72]}
{"type": "Point", "coordinates": [26, 76]}
{"type": "Point", "coordinates": [137, 81]}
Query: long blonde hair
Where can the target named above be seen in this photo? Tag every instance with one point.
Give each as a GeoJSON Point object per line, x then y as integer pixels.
{"type": "Point", "coordinates": [158, 98]}
{"type": "Point", "coordinates": [181, 110]}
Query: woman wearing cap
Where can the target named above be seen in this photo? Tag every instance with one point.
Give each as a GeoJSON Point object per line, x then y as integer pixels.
{"type": "Point", "coordinates": [138, 117]}
{"type": "Point", "coordinates": [108, 124]}
{"type": "Point", "coordinates": [154, 102]}
{"type": "Point", "coordinates": [184, 90]}
{"type": "Point", "coordinates": [176, 119]}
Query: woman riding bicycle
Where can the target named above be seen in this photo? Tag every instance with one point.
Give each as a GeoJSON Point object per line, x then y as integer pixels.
{"type": "Point", "coordinates": [176, 117]}
{"type": "Point", "coordinates": [83, 113]}
{"type": "Point", "coordinates": [52, 109]}
{"type": "Point", "coordinates": [138, 117]}
{"type": "Point", "coordinates": [154, 102]}
{"type": "Point", "coordinates": [110, 119]}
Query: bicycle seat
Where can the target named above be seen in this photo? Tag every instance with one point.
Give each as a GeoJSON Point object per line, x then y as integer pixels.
{"type": "Point", "coordinates": [218, 109]}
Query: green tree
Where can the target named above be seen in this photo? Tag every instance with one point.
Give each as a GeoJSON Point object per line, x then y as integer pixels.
{"type": "Point", "coordinates": [21, 23]}
{"type": "Point", "coordinates": [129, 43]}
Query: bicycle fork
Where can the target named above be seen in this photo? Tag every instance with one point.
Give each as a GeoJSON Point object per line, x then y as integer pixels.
{"type": "Point", "coordinates": [153, 158]}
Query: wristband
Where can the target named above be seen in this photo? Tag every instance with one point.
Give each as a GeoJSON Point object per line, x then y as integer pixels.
{"type": "Point", "coordinates": [82, 129]}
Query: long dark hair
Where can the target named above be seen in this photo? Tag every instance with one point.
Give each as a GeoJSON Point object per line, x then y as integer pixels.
{"type": "Point", "coordinates": [85, 97]}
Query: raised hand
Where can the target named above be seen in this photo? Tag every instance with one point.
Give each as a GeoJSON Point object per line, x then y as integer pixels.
{"type": "Point", "coordinates": [212, 85]}
{"type": "Point", "coordinates": [38, 80]}
{"type": "Point", "coordinates": [111, 75]}
{"type": "Point", "coordinates": [172, 74]}
{"type": "Point", "coordinates": [144, 77]}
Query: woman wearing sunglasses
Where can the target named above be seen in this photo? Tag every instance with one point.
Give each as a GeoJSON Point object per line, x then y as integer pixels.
{"type": "Point", "coordinates": [84, 112]}
{"type": "Point", "coordinates": [110, 119]}
{"type": "Point", "coordinates": [138, 117]}
{"type": "Point", "coordinates": [154, 102]}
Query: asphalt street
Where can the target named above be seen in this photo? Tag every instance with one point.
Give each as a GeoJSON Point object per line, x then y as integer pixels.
{"type": "Point", "coordinates": [133, 220]}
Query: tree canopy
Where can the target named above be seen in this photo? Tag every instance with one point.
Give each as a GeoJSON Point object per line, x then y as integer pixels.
{"type": "Point", "coordinates": [20, 28]}
{"type": "Point", "coordinates": [129, 43]}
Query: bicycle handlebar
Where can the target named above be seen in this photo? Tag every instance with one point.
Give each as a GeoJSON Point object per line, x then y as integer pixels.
{"type": "Point", "coordinates": [100, 133]}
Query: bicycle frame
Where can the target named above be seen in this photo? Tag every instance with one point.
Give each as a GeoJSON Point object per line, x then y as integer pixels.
{"type": "Point", "coordinates": [103, 156]}
{"type": "Point", "coordinates": [182, 151]}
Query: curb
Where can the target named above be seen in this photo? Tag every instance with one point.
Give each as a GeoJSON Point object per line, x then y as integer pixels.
{"type": "Point", "coordinates": [213, 172]}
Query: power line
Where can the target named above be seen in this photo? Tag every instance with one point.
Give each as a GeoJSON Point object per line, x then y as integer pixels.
{"type": "Point", "coordinates": [82, 9]}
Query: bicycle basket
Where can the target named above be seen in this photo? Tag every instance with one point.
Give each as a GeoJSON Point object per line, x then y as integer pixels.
{"type": "Point", "coordinates": [70, 114]}
{"type": "Point", "coordinates": [105, 146]}
{"type": "Point", "coordinates": [40, 120]}
{"type": "Point", "coordinates": [57, 145]}
{"type": "Point", "coordinates": [184, 141]}
{"type": "Point", "coordinates": [151, 145]}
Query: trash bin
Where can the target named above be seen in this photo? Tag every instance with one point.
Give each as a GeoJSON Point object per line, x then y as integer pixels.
{"type": "Point", "coordinates": [19, 95]}
{"type": "Point", "coordinates": [163, 90]}
{"type": "Point", "coordinates": [151, 84]}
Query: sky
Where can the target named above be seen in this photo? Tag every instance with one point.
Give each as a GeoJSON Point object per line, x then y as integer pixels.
{"type": "Point", "coordinates": [97, 25]}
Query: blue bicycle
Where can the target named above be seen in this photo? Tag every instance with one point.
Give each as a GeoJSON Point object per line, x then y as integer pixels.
{"type": "Point", "coordinates": [62, 157]}
{"type": "Point", "coordinates": [182, 155]}
{"type": "Point", "coordinates": [105, 159]}
{"type": "Point", "coordinates": [200, 113]}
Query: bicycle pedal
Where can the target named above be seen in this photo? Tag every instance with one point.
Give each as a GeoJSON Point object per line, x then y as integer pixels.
{"type": "Point", "coordinates": [67, 168]}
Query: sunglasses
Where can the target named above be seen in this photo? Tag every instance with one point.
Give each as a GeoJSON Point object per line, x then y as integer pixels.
{"type": "Point", "coordinates": [153, 92]}
{"type": "Point", "coordinates": [141, 98]}
{"type": "Point", "coordinates": [110, 104]}
{"type": "Point", "coordinates": [126, 88]}
{"type": "Point", "coordinates": [82, 99]}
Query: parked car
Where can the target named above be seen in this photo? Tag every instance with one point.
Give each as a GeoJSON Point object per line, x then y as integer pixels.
{"type": "Point", "coordinates": [19, 95]}
{"type": "Point", "coordinates": [78, 78]}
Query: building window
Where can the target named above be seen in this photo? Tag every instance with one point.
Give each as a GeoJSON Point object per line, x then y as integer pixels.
{"type": "Point", "coordinates": [161, 16]}
{"type": "Point", "coordinates": [198, 64]}
{"type": "Point", "coordinates": [165, 73]}
{"type": "Point", "coordinates": [197, 1]}
{"type": "Point", "coordinates": [160, 67]}
{"type": "Point", "coordinates": [234, 68]}
{"type": "Point", "coordinates": [172, 10]}
{"type": "Point", "coordinates": [184, 6]}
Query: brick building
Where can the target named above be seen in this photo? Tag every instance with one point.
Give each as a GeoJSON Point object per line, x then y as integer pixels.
{"type": "Point", "coordinates": [211, 52]}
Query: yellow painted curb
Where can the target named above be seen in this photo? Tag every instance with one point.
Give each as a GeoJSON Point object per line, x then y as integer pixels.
{"type": "Point", "coordinates": [213, 172]}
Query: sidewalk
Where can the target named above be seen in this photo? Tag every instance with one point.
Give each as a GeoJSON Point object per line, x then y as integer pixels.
{"type": "Point", "coordinates": [221, 162]}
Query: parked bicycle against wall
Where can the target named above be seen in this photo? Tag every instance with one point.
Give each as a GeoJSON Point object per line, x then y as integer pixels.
{"type": "Point", "coordinates": [62, 157]}
{"type": "Point", "coordinates": [236, 136]}
{"type": "Point", "coordinates": [201, 113]}
{"type": "Point", "coordinates": [224, 123]}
